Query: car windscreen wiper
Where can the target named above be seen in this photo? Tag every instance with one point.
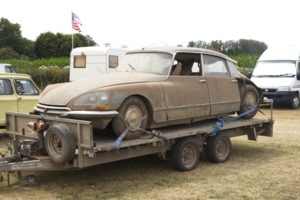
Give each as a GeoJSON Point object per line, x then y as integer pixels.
{"type": "Point", "coordinates": [287, 74]}
{"type": "Point", "coordinates": [277, 75]}
{"type": "Point", "coordinates": [132, 67]}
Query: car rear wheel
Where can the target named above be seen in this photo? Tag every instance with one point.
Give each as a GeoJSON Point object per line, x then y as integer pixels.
{"type": "Point", "coordinates": [132, 110]}
{"type": "Point", "coordinates": [249, 101]}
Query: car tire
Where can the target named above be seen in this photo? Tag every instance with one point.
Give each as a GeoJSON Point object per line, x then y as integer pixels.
{"type": "Point", "coordinates": [133, 108]}
{"type": "Point", "coordinates": [60, 143]}
{"type": "Point", "coordinates": [295, 102]}
{"type": "Point", "coordinates": [248, 101]}
{"type": "Point", "coordinates": [218, 148]}
{"type": "Point", "coordinates": [185, 155]}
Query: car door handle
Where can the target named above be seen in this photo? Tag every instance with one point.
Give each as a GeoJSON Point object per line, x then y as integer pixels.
{"type": "Point", "coordinates": [202, 81]}
{"type": "Point", "coordinates": [19, 99]}
{"type": "Point", "coordinates": [234, 81]}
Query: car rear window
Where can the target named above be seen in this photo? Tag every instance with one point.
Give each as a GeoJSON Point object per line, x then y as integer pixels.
{"type": "Point", "coordinates": [5, 87]}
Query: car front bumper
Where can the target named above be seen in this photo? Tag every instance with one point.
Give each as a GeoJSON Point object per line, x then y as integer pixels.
{"type": "Point", "coordinates": [284, 97]}
{"type": "Point", "coordinates": [66, 112]}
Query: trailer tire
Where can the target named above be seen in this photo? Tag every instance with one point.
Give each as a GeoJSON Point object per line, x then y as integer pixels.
{"type": "Point", "coordinates": [133, 108]}
{"type": "Point", "coordinates": [185, 155]}
{"type": "Point", "coordinates": [218, 148]}
{"type": "Point", "coordinates": [249, 101]}
{"type": "Point", "coordinates": [60, 143]}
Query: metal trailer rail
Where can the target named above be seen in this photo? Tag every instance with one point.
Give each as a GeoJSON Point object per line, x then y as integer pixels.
{"type": "Point", "coordinates": [94, 148]}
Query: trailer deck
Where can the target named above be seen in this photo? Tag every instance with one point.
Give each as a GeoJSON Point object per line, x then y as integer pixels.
{"type": "Point", "coordinates": [93, 148]}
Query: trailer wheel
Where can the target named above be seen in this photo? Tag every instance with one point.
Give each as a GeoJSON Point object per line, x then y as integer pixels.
{"type": "Point", "coordinates": [133, 108]}
{"type": "Point", "coordinates": [295, 102]}
{"type": "Point", "coordinates": [185, 155]}
{"type": "Point", "coordinates": [218, 148]}
{"type": "Point", "coordinates": [60, 143]}
{"type": "Point", "coordinates": [249, 101]}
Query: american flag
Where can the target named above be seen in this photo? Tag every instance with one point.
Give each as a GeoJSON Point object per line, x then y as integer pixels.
{"type": "Point", "coordinates": [75, 22]}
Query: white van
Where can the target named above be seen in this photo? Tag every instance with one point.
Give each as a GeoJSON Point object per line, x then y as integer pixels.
{"type": "Point", "coordinates": [277, 72]}
{"type": "Point", "coordinates": [91, 61]}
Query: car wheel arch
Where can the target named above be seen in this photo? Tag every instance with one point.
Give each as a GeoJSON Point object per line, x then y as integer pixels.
{"type": "Point", "coordinates": [243, 82]}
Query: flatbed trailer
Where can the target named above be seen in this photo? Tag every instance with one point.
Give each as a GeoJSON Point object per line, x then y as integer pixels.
{"type": "Point", "coordinates": [184, 142]}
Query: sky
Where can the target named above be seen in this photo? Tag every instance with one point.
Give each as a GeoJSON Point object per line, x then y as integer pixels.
{"type": "Point", "coordinates": [141, 23]}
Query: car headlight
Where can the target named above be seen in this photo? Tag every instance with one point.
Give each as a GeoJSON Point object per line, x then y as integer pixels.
{"type": "Point", "coordinates": [95, 98]}
{"type": "Point", "coordinates": [284, 88]}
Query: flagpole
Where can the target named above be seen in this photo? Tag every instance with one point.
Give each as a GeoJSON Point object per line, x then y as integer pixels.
{"type": "Point", "coordinates": [72, 27]}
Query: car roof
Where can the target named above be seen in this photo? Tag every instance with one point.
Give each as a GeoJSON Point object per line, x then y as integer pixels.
{"type": "Point", "coordinates": [13, 75]}
{"type": "Point", "coordinates": [5, 64]}
{"type": "Point", "coordinates": [168, 49]}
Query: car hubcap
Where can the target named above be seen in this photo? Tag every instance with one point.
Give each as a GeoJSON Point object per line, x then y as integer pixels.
{"type": "Point", "coordinates": [295, 102]}
{"type": "Point", "coordinates": [222, 149]}
{"type": "Point", "coordinates": [188, 156]}
{"type": "Point", "coordinates": [132, 116]}
{"type": "Point", "coordinates": [250, 100]}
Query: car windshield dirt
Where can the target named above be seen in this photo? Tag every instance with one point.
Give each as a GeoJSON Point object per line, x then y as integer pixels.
{"type": "Point", "coordinates": [274, 68]}
{"type": "Point", "coordinates": [151, 63]}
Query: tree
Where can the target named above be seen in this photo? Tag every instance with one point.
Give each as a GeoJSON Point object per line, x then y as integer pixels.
{"type": "Point", "coordinates": [10, 35]}
{"type": "Point", "coordinates": [46, 45]}
{"type": "Point", "coordinates": [8, 53]}
{"type": "Point", "coordinates": [251, 47]}
{"type": "Point", "coordinates": [216, 45]}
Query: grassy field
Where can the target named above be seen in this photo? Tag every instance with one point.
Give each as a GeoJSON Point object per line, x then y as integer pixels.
{"type": "Point", "coordinates": [266, 169]}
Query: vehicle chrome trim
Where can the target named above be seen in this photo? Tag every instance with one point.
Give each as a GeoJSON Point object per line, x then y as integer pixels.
{"type": "Point", "coordinates": [90, 114]}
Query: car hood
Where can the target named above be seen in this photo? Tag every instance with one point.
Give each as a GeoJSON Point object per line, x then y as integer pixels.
{"type": "Point", "coordinates": [62, 95]}
{"type": "Point", "coordinates": [272, 82]}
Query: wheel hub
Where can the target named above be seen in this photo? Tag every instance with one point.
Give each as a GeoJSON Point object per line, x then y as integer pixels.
{"type": "Point", "coordinates": [132, 116]}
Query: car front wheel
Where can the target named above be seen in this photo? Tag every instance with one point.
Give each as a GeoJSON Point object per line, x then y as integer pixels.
{"type": "Point", "coordinates": [132, 110]}
{"type": "Point", "coordinates": [295, 102]}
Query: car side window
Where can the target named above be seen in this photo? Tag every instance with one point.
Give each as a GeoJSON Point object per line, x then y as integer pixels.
{"type": "Point", "coordinates": [5, 87]}
{"type": "Point", "coordinates": [25, 87]}
{"type": "Point", "coordinates": [214, 66]}
{"type": "Point", "coordinates": [9, 69]}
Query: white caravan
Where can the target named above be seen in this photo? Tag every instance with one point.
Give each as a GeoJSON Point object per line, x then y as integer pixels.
{"type": "Point", "coordinates": [90, 61]}
{"type": "Point", "coordinates": [277, 72]}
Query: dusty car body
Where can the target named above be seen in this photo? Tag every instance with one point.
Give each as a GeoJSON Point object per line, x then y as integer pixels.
{"type": "Point", "coordinates": [155, 87]}
{"type": "Point", "coordinates": [18, 93]}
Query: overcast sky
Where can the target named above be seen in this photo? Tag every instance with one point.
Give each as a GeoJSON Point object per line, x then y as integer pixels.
{"type": "Point", "coordinates": [139, 23]}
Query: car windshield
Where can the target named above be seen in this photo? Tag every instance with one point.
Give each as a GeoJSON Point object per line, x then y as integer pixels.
{"type": "Point", "coordinates": [275, 68]}
{"type": "Point", "coordinates": [152, 63]}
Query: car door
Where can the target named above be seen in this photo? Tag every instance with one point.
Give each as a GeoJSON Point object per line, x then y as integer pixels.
{"type": "Point", "coordinates": [8, 99]}
{"type": "Point", "coordinates": [186, 96]}
{"type": "Point", "coordinates": [27, 95]}
{"type": "Point", "coordinates": [223, 89]}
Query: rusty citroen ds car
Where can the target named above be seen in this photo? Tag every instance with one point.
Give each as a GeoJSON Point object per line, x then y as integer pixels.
{"type": "Point", "coordinates": [155, 87]}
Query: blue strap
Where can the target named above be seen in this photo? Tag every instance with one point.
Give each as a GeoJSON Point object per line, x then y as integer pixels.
{"type": "Point", "coordinates": [220, 124]}
{"type": "Point", "coordinates": [117, 143]}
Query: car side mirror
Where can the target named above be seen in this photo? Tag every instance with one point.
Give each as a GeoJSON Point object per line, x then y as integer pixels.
{"type": "Point", "coordinates": [298, 76]}
{"type": "Point", "coordinates": [249, 74]}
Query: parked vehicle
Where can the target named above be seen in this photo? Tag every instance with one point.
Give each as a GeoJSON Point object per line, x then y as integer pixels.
{"type": "Point", "coordinates": [8, 68]}
{"type": "Point", "coordinates": [155, 87]}
{"type": "Point", "coordinates": [57, 144]}
{"type": "Point", "coordinates": [18, 93]}
{"type": "Point", "coordinates": [86, 62]}
{"type": "Point", "coordinates": [277, 72]}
